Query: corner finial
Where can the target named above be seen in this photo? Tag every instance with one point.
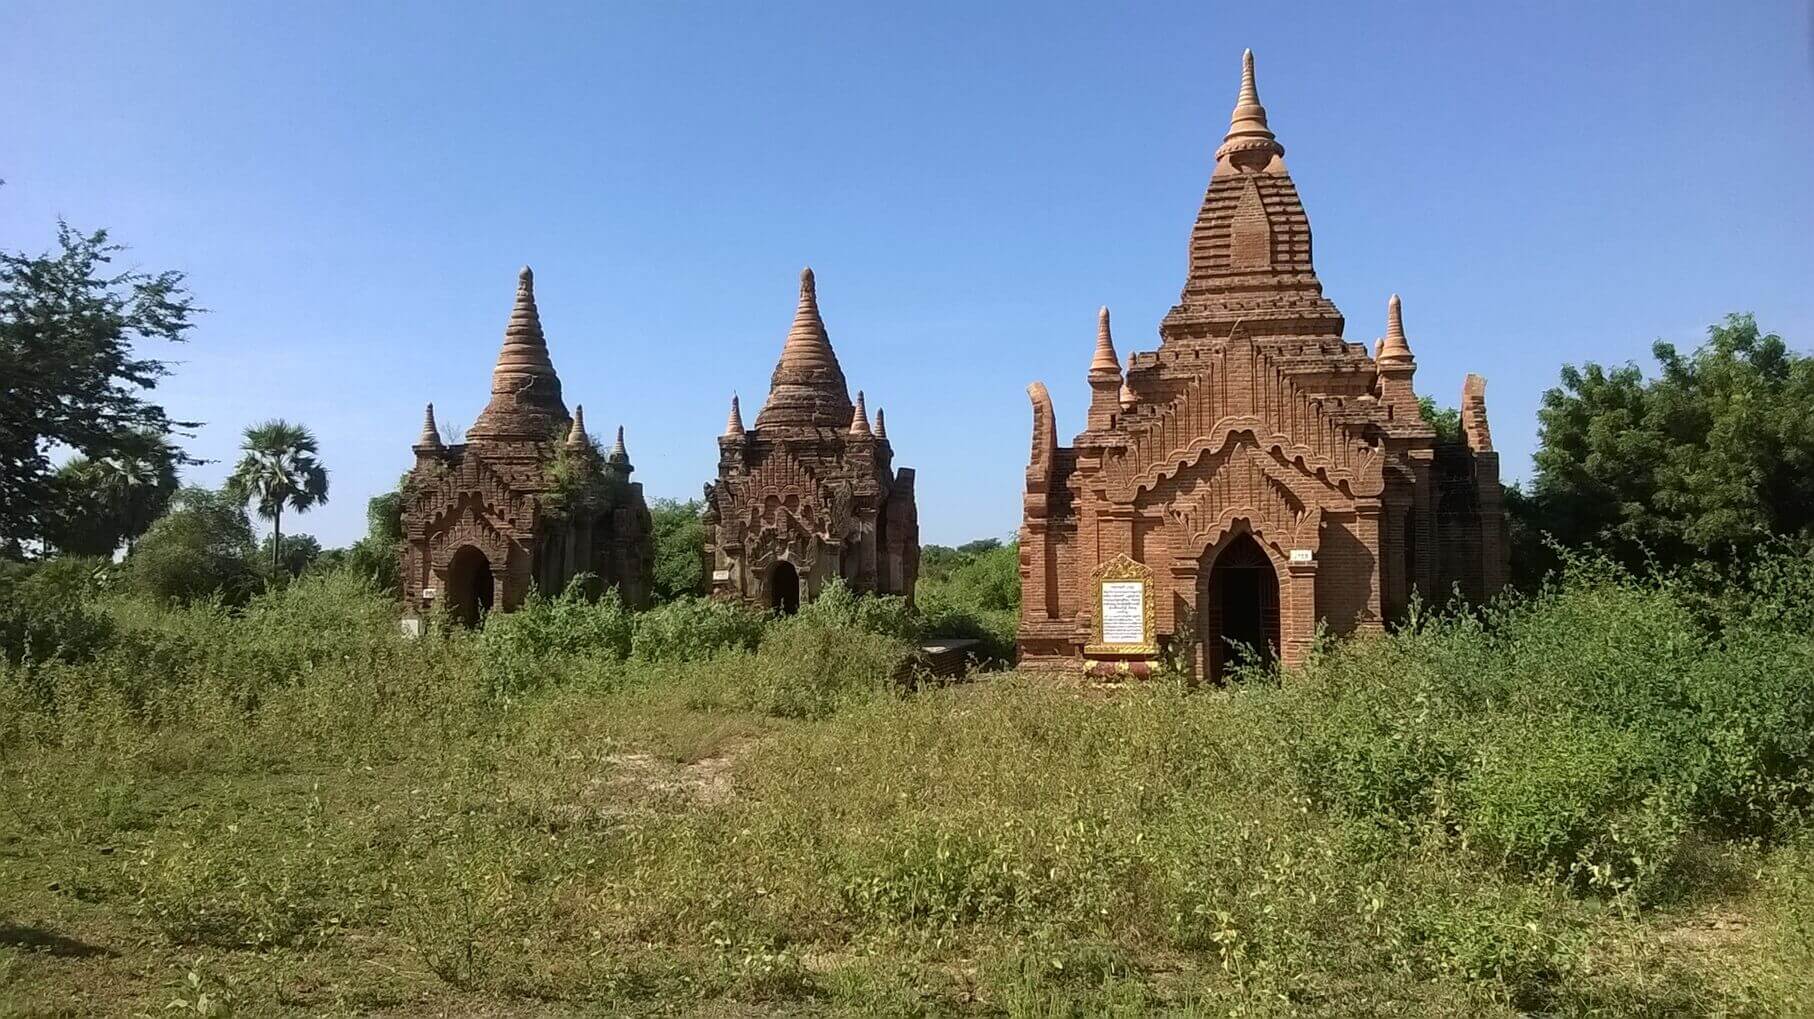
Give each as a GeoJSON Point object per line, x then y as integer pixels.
{"type": "Point", "coordinates": [1105, 360]}
{"type": "Point", "coordinates": [576, 435]}
{"type": "Point", "coordinates": [859, 418]}
{"type": "Point", "coordinates": [733, 426]}
{"type": "Point", "coordinates": [881, 426]}
{"type": "Point", "coordinates": [619, 454]}
{"type": "Point", "coordinates": [1128, 396]}
{"type": "Point", "coordinates": [1394, 349]}
{"type": "Point", "coordinates": [1249, 145]}
{"type": "Point", "coordinates": [431, 436]}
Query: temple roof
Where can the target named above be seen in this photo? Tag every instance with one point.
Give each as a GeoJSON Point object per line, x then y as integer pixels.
{"type": "Point", "coordinates": [808, 387]}
{"type": "Point", "coordinates": [1250, 253]}
{"type": "Point", "coordinates": [525, 391]}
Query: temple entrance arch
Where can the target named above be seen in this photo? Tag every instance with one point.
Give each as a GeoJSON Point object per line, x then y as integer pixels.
{"type": "Point", "coordinates": [471, 587]}
{"type": "Point", "coordinates": [784, 588]}
{"type": "Point", "coordinates": [1239, 607]}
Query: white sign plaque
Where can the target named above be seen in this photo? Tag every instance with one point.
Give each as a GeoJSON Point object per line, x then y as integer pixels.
{"type": "Point", "coordinates": [1124, 612]}
{"type": "Point", "coordinates": [721, 574]}
{"type": "Point", "coordinates": [1301, 555]}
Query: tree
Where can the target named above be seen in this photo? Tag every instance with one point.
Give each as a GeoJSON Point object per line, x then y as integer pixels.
{"type": "Point", "coordinates": [1709, 459]}
{"type": "Point", "coordinates": [202, 548]}
{"type": "Point", "coordinates": [68, 328]}
{"type": "Point", "coordinates": [1446, 421]}
{"type": "Point", "coordinates": [101, 503]}
{"type": "Point", "coordinates": [300, 551]}
{"type": "Point", "coordinates": [679, 540]}
{"type": "Point", "coordinates": [280, 467]}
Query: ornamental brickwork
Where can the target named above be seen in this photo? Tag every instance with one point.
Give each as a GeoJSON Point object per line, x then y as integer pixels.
{"type": "Point", "coordinates": [527, 501]}
{"type": "Point", "coordinates": [1272, 475]}
{"type": "Point", "coordinates": [810, 493]}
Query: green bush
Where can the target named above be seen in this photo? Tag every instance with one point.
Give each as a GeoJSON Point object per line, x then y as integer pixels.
{"type": "Point", "coordinates": [692, 629]}
{"type": "Point", "coordinates": [536, 645]}
{"type": "Point", "coordinates": [199, 550]}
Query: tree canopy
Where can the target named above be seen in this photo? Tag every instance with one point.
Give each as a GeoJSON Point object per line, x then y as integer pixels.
{"type": "Point", "coordinates": [280, 467]}
{"type": "Point", "coordinates": [1708, 459]}
{"type": "Point", "coordinates": [68, 328]}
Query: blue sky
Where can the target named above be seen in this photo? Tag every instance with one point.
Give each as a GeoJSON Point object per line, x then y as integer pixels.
{"type": "Point", "coordinates": [351, 188]}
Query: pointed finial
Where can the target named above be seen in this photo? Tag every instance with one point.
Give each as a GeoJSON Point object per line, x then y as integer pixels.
{"type": "Point", "coordinates": [431, 436]}
{"type": "Point", "coordinates": [576, 435]}
{"type": "Point", "coordinates": [619, 453]}
{"type": "Point", "coordinates": [1249, 144]}
{"type": "Point", "coordinates": [807, 288]}
{"type": "Point", "coordinates": [1105, 359]}
{"type": "Point", "coordinates": [1393, 347]}
{"type": "Point", "coordinates": [859, 418]}
{"type": "Point", "coordinates": [525, 278]}
{"type": "Point", "coordinates": [1128, 396]}
{"type": "Point", "coordinates": [733, 427]}
{"type": "Point", "coordinates": [881, 426]}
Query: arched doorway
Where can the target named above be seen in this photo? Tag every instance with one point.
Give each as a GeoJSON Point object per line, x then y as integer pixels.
{"type": "Point", "coordinates": [470, 586]}
{"type": "Point", "coordinates": [1240, 608]}
{"type": "Point", "coordinates": [784, 588]}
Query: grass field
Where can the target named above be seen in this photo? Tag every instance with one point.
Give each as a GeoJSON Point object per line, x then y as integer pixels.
{"type": "Point", "coordinates": [1586, 803]}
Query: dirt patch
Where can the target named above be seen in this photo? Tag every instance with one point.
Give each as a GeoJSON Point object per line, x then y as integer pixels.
{"type": "Point", "coordinates": [1707, 932]}
{"type": "Point", "coordinates": [706, 781]}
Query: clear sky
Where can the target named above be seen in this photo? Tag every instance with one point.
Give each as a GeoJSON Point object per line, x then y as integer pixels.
{"type": "Point", "coordinates": [351, 188]}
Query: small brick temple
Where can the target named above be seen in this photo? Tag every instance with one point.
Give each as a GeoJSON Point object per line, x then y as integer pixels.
{"type": "Point", "coordinates": [1257, 474]}
{"type": "Point", "coordinates": [526, 501]}
{"type": "Point", "coordinates": [810, 493]}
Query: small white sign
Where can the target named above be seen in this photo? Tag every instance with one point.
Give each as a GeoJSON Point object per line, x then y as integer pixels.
{"type": "Point", "coordinates": [1301, 555]}
{"type": "Point", "coordinates": [1124, 612]}
{"type": "Point", "coordinates": [721, 574]}
{"type": "Point", "coordinates": [428, 593]}
{"type": "Point", "coordinates": [412, 627]}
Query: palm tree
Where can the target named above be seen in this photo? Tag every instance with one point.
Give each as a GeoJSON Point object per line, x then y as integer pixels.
{"type": "Point", "coordinates": [114, 497]}
{"type": "Point", "coordinates": [280, 468]}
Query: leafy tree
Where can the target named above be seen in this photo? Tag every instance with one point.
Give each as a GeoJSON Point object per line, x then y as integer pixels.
{"type": "Point", "coordinates": [68, 327]}
{"type": "Point", "coordinates": [280, 467]}
{"type": "Point", "coordinates": [1709, 459]}
{"type": "Point", "coordinates": [101, 503]}
{"type": "Point", "coordinates": [679, 540]}
{"type": "Point", "coordinates": [1445, 420]}
{"type": "Point", "coordinates": [200, 549]}
{"type": "Point", "coordinates": [298, 553]}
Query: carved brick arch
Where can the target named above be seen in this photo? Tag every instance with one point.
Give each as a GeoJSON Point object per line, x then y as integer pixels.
{"type": "Point", "coordinates": [469, 525]}
{"type": "Point", "coordinates": [1363, 479]}
{"type": "Point", "coordinates": [1277, 541]}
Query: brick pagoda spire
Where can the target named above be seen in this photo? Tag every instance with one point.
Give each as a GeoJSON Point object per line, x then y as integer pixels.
{"type": "Point", "coordinates": [807, 389]}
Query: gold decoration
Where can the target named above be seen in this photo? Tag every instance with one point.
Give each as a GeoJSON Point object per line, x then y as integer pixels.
{"type": "Point", "coordinates": [1120, 570]}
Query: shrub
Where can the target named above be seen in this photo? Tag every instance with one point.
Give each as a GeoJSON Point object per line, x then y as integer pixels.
{"type": "Point", "coordinates": [694, 629]}
{"type": "Point", "coordinates": [533, 646]}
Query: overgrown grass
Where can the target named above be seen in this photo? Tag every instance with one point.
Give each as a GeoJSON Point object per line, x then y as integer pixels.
{"type": "Point", "coordinates": [1591, 801]}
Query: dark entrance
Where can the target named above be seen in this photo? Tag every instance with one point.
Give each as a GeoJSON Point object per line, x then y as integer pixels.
{"type": "Point", "coordinates": [470, 587]}
{"type": "Point", "coordinates": [784, 589]}
{"type": "Point", "coordinates": [1240, 608]}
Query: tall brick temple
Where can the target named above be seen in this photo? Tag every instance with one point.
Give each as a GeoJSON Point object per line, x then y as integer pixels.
{"type": "Point", "coordinates": [1257, 472]}
{"type": "Point", "coordinates": [527, 500]}
{"type": "Point", "coordinates": [811, 492]}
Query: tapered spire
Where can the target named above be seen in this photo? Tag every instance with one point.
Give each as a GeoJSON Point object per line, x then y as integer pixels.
{"type": "Point", "coordinates": [576, 435]}
{"type": "Point", "coordinates": [1249, 144]}
{"type": "Point", "coordinates": [881, 426]}
{"type": "Point", "coordinates": [733, 426]}
{"type": "Point", "coordinates": [1393, 348]}
{"type": "Point", "coordinates": [1105, 359]}
{"type": "Point", "coordinates": [620, 454]}
{"type": "Point", "coordinates": [1128, 396]}
{"type": "Point", "coordinates": [431, 436]}
{"type": "Point", "coordinates": [859, 419]}
{"type": "Point", "coordinates": [808, 387]}
{"type": "Point", "coordinates": [525, 391]}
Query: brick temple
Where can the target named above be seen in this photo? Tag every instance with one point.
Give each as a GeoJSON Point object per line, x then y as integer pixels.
{"type": "Point", "coordinates": [527, 501]}
{"type": "Point", "coordinates": [1257, 473]}
{"type": "Point", "coordinates": [810, 493]}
